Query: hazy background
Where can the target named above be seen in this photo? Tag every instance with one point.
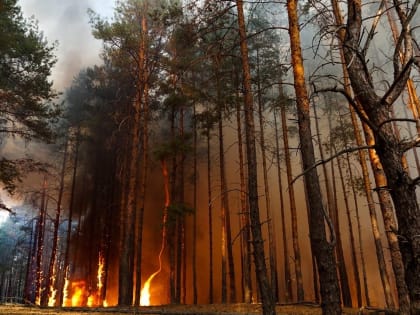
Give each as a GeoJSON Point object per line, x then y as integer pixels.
{"type": "Point", "coordinates": [67, 22]}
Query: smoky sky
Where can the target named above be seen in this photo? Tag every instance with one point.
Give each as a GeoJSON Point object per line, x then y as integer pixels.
{"type": "Point", "coordinates": [67, 22]}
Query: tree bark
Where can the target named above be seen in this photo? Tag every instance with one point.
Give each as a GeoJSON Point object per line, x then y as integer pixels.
{"type": "Point", "coordinates": [323, 250]}
{"type": "Point", "coordinates": [388, 147]}
{"type": "Point", "coordinates": [257, 240]}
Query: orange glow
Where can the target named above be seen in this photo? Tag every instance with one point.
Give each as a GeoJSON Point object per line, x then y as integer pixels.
{"type": "Point", "coordinates": [66, 292]}
{"type": "Point", "coordinates": [79, 293]}
{"type": "Point", "coordinates": [100, 274]}
{"type": "Point", "coordinates": [105, 303]}
{"type": "Point", "coordinates": [90, 301]}
{"type": "Point", "coordinates": [53, 292]}
{"type": "Point", "coordinates": [53, 296]}
{"type": "Point", "coordinates": [145, 292]}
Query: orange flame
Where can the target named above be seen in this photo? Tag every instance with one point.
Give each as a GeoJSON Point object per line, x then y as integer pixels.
{"type": "Point", "coordinates": [79, 293]}
{"type": "Point", "coordinates": [145, 292]}
{"type": "Point", "coordinates": [53, 291]}
{"type": "Point", "coordinates": [66, 291]}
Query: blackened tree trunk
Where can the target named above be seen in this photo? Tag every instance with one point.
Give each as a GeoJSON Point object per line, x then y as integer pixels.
{"type": "Point", "coordinates": [52, 274]}
{"type": "Point", "coordinates": [39, 282]}
{"type": "Point", "coordinates": [322, 249]}
{"type": "Point", "coordinates": [257, 240]}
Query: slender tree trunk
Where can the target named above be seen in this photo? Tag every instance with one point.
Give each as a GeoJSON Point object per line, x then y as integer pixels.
{"type": "Point", "coordinates": [390, 225]}
{"type": "Point", "coordinates": [29, 267]}
{"type": "Point", "coordinates": [288, 293]}
{"type": "Point", "coordinates": [227, 253]}
{"type": "Point", "coordinates": [293, 211]}
{"type": "Point", "coordinates": [270, 223]}
{"type": "Point", "coordinates": [359, 229]}
{"type": "Point", "coordinates": [210, 214]}
{"type": "Point", "coordinates": [333, 211]}
{"type": "Point", "coordinates": [52, 275]}
{"type": "Point", "coordinates": [246, 233]}
{"type": "Point", "coordinates": [66, 273]}
{"type": "Point", "coordinates": [144, 78]}
{"type": "Point", "coordinates": [39, 284]}
{"type": "Point", "coordinates": [257, 240]}
{"type": "Point", "coordinates": [195, 205]}
{"type": "Point", "coordinates": [322, 249]}
{"type": "Point", "coordinates": [353, 256]}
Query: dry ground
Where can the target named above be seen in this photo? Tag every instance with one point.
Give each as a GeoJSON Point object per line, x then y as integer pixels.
{"type": "Point", "coordinates": [214, 309]}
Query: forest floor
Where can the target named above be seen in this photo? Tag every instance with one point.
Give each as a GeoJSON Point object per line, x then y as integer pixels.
{"type": "Point", "coordinates": [213, 309]}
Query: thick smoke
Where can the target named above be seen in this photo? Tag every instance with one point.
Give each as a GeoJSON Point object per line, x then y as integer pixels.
{"type": "Point", "coordinates": [68, 23]}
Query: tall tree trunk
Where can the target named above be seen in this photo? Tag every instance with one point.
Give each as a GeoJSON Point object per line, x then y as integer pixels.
{"type": "Point", "coordinates": [386, 208]}
{"type": "Point", "coordinates": [389, 148]}
{"type": "Point", "coordinates": [195, 205]}
{"type": "Point", "coordinates": [293, 211]}
{"type": "Point", "coordinates": [126, 264]}
{"type": "Point", "coordinates": [333, 212]}
{"type": "Point", "coordinates": [257, 240]}
{"type": "Point", "coordinates": [39, 283]}
{"type": "Point", "coordinates": [246, 233]}
{"type": "Point", "coordinates": [270, 223]}
{"type": "Point", "coordinates": [51, 277]}
{"type": "Point", "coordinates": [322, 249]}
{"type": "Point", "coordinates": [288, 293]}
{"type": "Point", "coordinates": [352, 239]}
{"type": "Point", "coordinates": [210, 213]}
{"type": "Point", "coordinates": [352, 249]}
{"type": "Point", "coordinates": [66, 265]}
{"type": "Point", "coordinates": [144, 78]}
{"type": "Point", "coordinates": [390, 225]}
{"type": "Point", "coordinates": [29, 266]}
{"type": "Point", "coordinates": [227, 252]}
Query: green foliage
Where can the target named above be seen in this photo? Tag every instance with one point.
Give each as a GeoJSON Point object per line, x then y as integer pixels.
{"type": "Point", "coordinates": [26, 93]}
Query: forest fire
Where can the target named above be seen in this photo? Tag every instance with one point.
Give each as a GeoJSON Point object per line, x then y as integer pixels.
{"type": "Point", "coordinates": [78, 293]}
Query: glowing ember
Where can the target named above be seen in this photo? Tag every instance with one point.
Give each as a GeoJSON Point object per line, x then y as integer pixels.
{"type": "Point", "coordinates": [105, 303]}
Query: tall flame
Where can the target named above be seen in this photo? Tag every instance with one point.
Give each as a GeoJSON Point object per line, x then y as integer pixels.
{"type": "Point", "coordinates": [65, 301]}
{"type": "Point", "coordinates": [145, 292]}
{"type": "Point", "coordinates": [52, 296]}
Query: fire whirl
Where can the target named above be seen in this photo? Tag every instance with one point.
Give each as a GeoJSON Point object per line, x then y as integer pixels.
{"type": "Point", "coordinates": [145, 292]}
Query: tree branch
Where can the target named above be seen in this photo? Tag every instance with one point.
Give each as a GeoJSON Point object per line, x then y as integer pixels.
{"type": "Point", "coordinates": [352, 102]}
{"type": "Point", "coordinates": [321, 162]}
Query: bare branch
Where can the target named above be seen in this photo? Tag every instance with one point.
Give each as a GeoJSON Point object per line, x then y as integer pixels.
{"type": "Point", "coordinates": [352, 102]}
{"type": "Point", "coordinates": [321, 162]}
{"type": "Point", "coordinates": [398, 85]}
{"type": "Point", "coordinates": [373, 28]}
{"type": "Point", "coordinates": [408, 145]}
